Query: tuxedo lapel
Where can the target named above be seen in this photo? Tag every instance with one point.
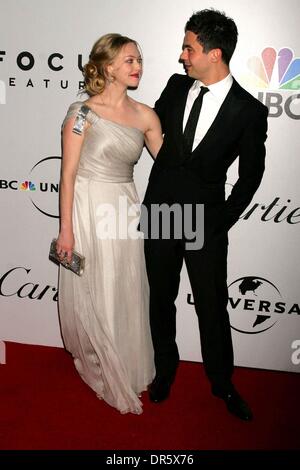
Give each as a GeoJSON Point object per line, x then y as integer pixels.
{"type": "Point", "coordinates": [228, 109]}
{"type": "Point", "coordinates": [179, 107]}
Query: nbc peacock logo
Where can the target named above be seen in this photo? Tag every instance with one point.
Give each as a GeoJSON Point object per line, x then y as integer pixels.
{"type": "Point", "coordinates": [276, 77]}
{"type": "Point", "coordinates": [27, 186]}
{"type": "Point", "coordinates": [275, 70]}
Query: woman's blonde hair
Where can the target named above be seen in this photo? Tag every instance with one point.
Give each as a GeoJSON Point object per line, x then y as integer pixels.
{"type": "Point", "coordinates": [103, 53]}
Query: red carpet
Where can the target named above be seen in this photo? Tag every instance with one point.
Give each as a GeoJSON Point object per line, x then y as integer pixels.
{"type": "Point", "coordinates": [45, 405]}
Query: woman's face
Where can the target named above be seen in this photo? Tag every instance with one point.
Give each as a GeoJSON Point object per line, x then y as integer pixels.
{"type": "Point", "coordinates": [127, 67]}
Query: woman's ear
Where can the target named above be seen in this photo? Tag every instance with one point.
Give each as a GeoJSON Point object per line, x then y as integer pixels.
{"type": "Point", "coordinates": [109, 70]}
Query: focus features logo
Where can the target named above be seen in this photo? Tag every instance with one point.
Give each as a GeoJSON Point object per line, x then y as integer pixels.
{"type": "Point", "coordinates": [256, 305]}
{"type": "Point", "coordinates": [28, 62]}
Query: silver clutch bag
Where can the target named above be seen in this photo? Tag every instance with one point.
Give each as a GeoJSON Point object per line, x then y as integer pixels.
{"type": "Point", "coordinates": [77, 262]}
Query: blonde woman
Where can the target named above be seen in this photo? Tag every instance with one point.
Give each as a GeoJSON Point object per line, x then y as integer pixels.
{"type": "Point", "coordinates": [104, 313]}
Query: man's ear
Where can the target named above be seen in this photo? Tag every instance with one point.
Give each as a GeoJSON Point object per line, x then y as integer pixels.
{"type": "Point", "coordinates": [216, 55]}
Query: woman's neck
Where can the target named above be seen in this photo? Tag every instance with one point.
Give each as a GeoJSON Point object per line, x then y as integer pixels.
{"type": "Point", "coordinates": [113, 96]}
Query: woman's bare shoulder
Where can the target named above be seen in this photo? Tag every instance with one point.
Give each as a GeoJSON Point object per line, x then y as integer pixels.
{"type": "Point", "coordinates": [138, 105]}
{"type": "Point", "coordinates": [144, 109]}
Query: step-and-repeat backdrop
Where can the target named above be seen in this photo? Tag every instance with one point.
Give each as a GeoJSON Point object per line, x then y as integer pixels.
{"type": "Point", "coordinates": [43, 46]}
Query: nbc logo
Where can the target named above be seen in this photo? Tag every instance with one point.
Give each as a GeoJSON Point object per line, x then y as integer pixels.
{"type": "Point", "coordinates": [37, 189]}
{"type": "Point", "coordinates": [27, 186]}
{"type": "Point", "coordinates": [276, 70]}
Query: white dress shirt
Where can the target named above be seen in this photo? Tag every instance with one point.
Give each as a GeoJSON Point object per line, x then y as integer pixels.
{"type": "Point", "coordinates": [212, 102]}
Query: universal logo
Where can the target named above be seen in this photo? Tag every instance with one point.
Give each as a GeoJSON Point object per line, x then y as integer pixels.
{"type": "Point", "coordinates": [42, 193]}
{"type": "Point", "coordinates": [276, 70]}
{"type": "Point", "coordinates": [255, 305]}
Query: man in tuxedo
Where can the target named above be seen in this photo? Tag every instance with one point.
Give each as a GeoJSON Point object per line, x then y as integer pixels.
{"type": "Point", "coordinates": [190, 169]}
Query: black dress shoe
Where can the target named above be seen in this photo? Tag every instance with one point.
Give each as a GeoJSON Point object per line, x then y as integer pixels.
{"type": "Point", "coordinates": [159, 390]}
{"type": "Point", "coordinates": [235, 404]}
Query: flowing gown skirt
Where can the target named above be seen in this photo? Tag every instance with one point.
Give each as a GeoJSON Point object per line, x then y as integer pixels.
{"type": "Point", "coordinates": [104, 313]}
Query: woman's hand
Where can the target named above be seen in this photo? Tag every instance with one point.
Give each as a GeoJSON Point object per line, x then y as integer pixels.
{"type": "Point", "coordinates": [65, 244]}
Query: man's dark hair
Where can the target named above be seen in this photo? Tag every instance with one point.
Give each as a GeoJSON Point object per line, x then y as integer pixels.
{"type": "Point", "coordinates": [214, 30]}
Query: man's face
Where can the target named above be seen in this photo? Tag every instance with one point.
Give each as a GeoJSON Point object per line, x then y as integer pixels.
{"type": "Point", "coordinates": [196, 62]}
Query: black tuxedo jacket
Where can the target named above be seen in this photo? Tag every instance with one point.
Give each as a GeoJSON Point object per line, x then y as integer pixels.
{"type": "Point", "coordinates": [239, 130]}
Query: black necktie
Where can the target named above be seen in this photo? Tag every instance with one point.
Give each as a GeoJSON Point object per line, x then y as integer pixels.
{"type": "Point", "coordinates": [190, 128]}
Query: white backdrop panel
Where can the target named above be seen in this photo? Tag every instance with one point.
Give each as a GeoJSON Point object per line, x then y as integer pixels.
{"type": "Point", "coordinates": [41, 44]}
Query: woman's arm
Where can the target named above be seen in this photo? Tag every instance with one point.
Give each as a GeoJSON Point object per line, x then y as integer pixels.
{"type": "Point", "coordinates": [71, 153]}
{"type": "Point", "coordinates": [153, 134]}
